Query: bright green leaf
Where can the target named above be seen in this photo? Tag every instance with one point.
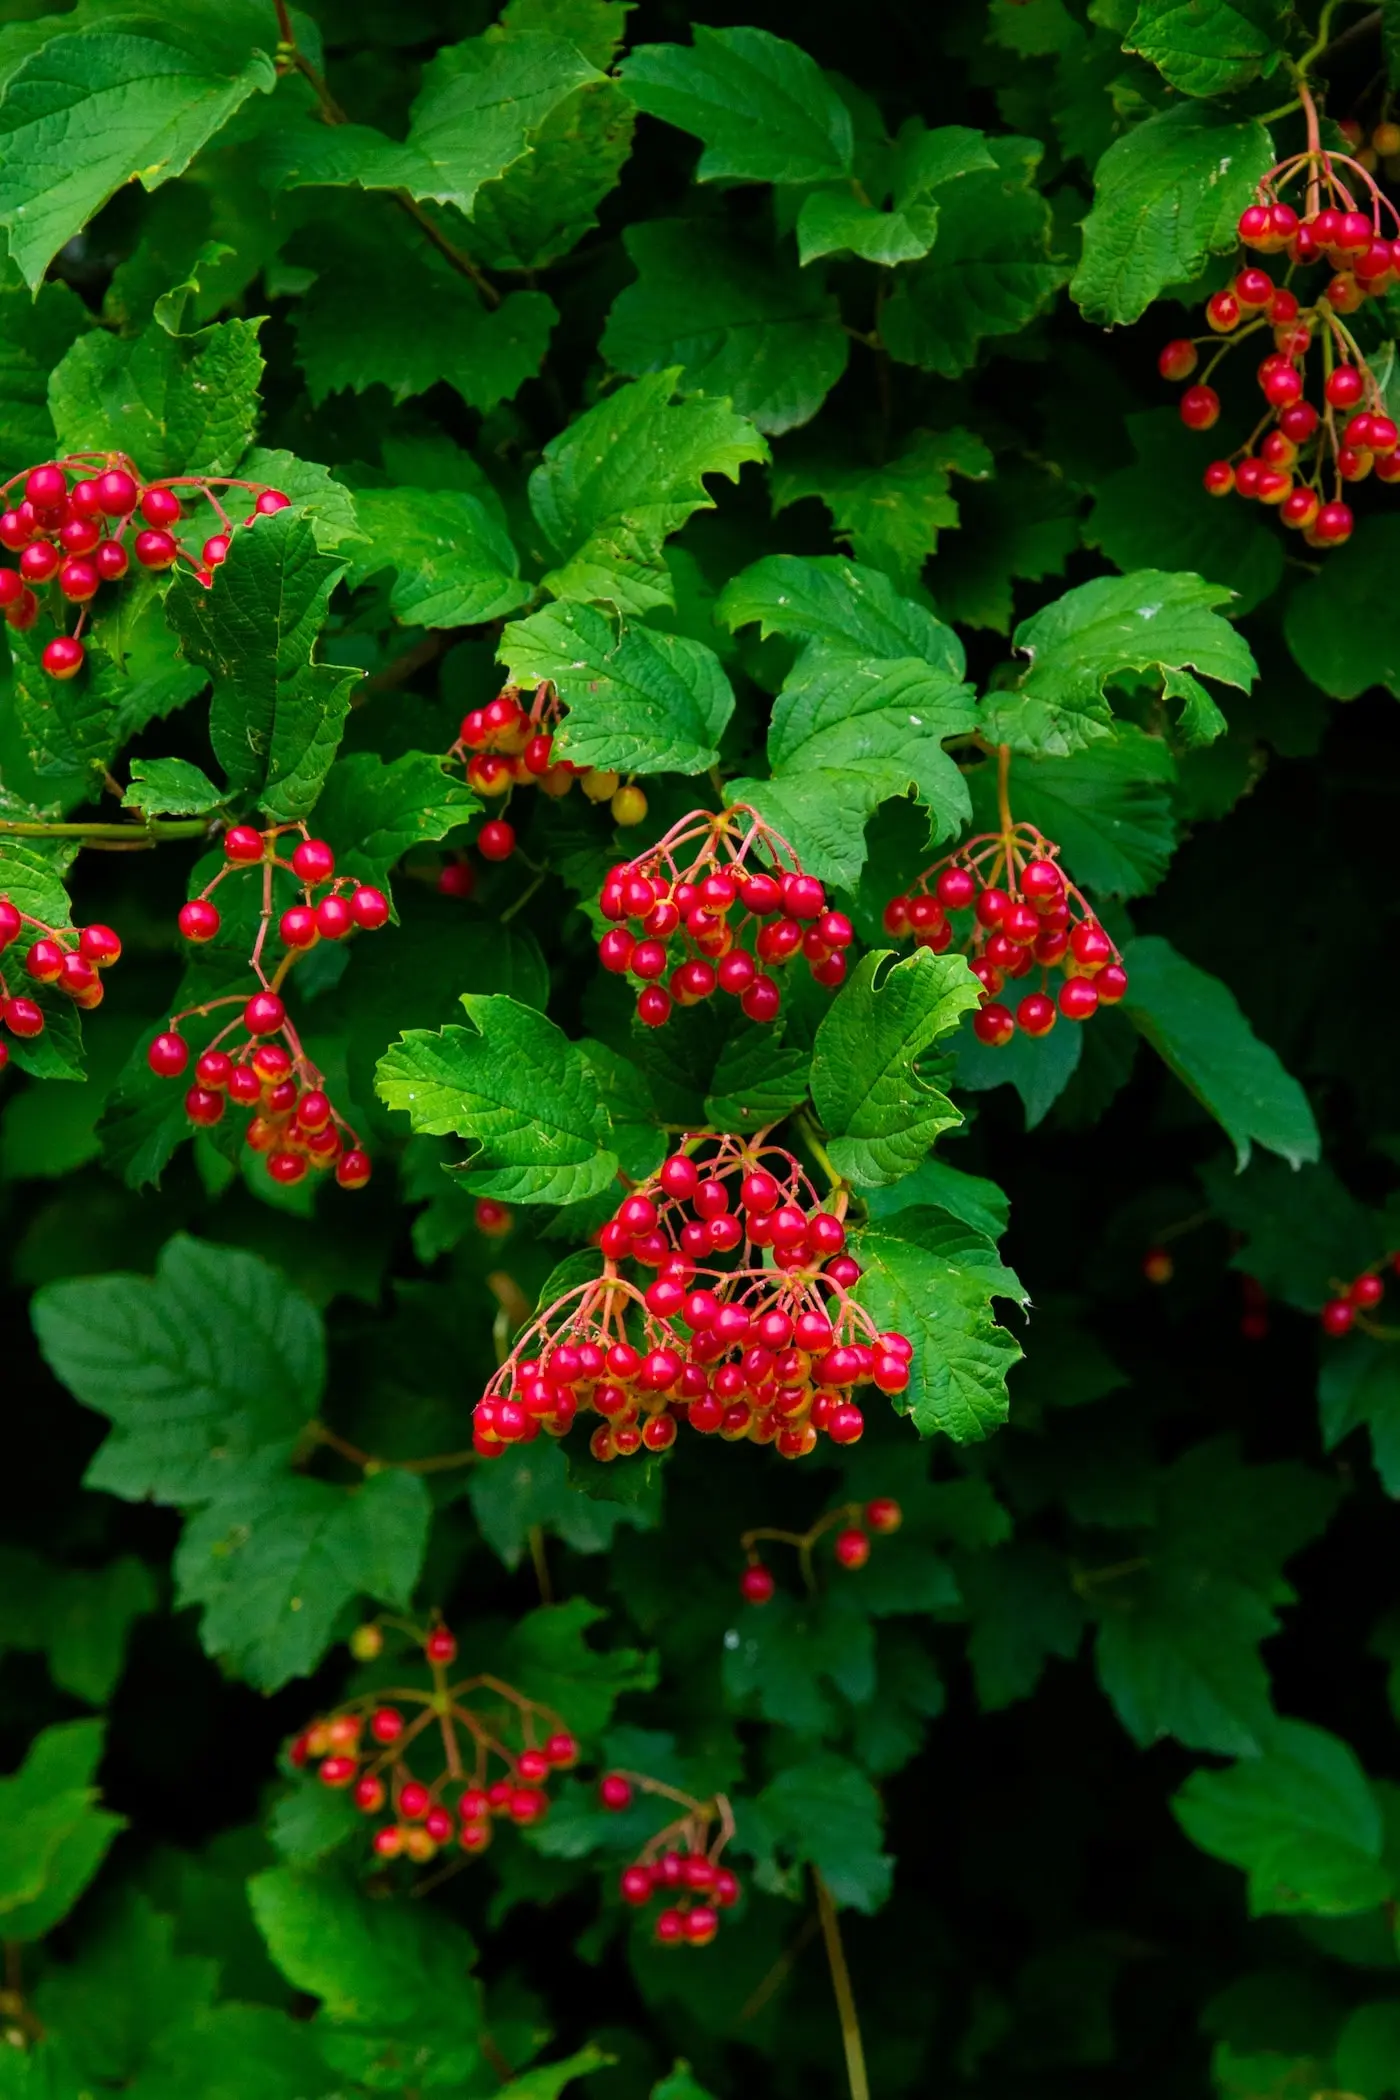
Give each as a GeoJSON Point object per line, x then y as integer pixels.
{"type": "Point", "coordinates": [880, 1117]}
{"type": "Point", "coordinates": [639, 702]}
{"type": "Point", "coordinates": [762, 106]}
{"type": "Point", "coordinates": [455, 566]}
{"type": "Point", "coordinates": [1211, 47]}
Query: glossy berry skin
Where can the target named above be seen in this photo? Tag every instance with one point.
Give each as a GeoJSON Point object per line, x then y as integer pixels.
{"type": "Point", "coordinates": [369, 907]}
{"type": "Point", "coordinates": [204, 1106]}
{"type": "Point", "coordinates": [352, 1172]}
{"type": "Point", "coordinates": [264, 1014]}
{"type": "Point", "coordinates": [1345, 386]}
{"type": "Point", "coordinates": [215, 550]}
{"type": "Point", "coordinates": [615, 1793]}
{"type": "Point", "coordinates": [46, 487]}
{"type": "Point", "coordinates": [561, 1749]}
{"type": "Point", "coordinates": [168, 1055]}
{"type": "Point", "coordinates": [297, 927]}
{"type": "Point", "coordinates": [39, 562]}
{"type": "Point", "coordinates": [160, 507]}
{"type": "Point", "coordinates": [1366, 1292]}
{"type": "Point", "coordinates": [23, 1018]}
{"type": "Point", "coordinates": [440, 1646]}
{"type": "Point", "coordinates": [271, 500]}
{"type": "Point", "coordinates": [156, 550]}
{"type": "Point", "coordinates": [852, 1548]}
{"type": "Point", "coordinates": [199, 919]}
{"type": "Point", "coordinates": [1337, 1316]}
{"type": "Point", "coordinates": [884, 1515]}
{"type": "Point", "coordinates": [496, 840]}
{"type": "Point", "coordinates": [1078, 998]}
{"type": "Point", "coordinates": [243, 844]}
{"type": "Point", "coordinates": [756, 1584]}
{"type": "Point", "coordinates": [111, 561]}
{"type": "Point", "coordinates": [333, 919]}
{"type": "Point", "coordinates": [1177, 359]}
{"type": "Point", "coordinates": [63, 657]}
{"type": "Point", "coordinates": [116, 493]}
{"type": "Point", "coordinates": [993, 1026]}
{"type": "Point", "coordinates": [99, 945]}
{"type": "Point", "coordinates": [1200, 407]}
{"type": "Point", "coordinates": [313, 861]}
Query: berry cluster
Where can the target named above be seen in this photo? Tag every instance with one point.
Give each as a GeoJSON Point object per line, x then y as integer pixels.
{"type": "Point", "coordinates": [1301, 453]}
{"type": "Point", "coordinates": [292, 1120]}
{"type": "Point", "coordinates": [1351, 1302]}
{"type": "Point", "coordinates": [771, 1353]}
{"type": "Point", "coordinates": [500, 1752]}
{"type": "Point", "coordinates": [850, 1547]}
{"type": "Point", "coordinates": [79, 522]}
{"type": "Point", "coordinates": [680, 1865]}
{"type": "Point", "coordinates": [70, 959]}
{"type": "Point", "coordinates": [1024, 916]}
{"type": "Point", "coordinates": [681, 897]}
{"type": "Point", "coordinates": [506, 745]}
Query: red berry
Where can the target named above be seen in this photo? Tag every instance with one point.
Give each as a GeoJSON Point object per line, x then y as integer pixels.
{"type": "Point", "coordinates": [561, 1749]}
{"type": "Point", "coordinates": [63, 657]}
{"type": "Point", "coordinates": [215, 550]}
{"type": "Point", "coordinates": [168, 1055]}
{"type": "Point", "coordinates": [1078, 998]}
{"type": "Point", "coordinates": [1035, 1016]}
{"type": "Point", "coordinates": [1111, 983]}
{"type": "Point", "coordinates": [204, 1106]}
{"type": "Point", "coordinates": [1367, 1291]}
{"type": "Point", "coordinates": [243, 844]}
{"type": "Point", "coordinates": [24, 1018]}
{"type": "Point", "coordinates": [156, 550]}
{"type": "Point", "coordinates": [313, 861]}
{"type": "Point", "coordinates": [852, 1548]}
{"type": "Point", "coordinates": [352, 1172]}
{"type": "Point", "coordinates": [264, 1014]}
{"type": "Point", "coordinates": [884, 1515]}
{"type": "Point", "coordinates": [1255, 225]}
{"type": "Point", "coordinates": [297, 927]}
{"type": "Point", "coordinates": [116, 493]}
{"type": "Point", "coordinates": [1200, 407]}
{"type": "Point", "coordinates": [337, 1771]}
{"type": "Point", "coordinates": [756, 1584]}
{"type": "Point", "coordinates": [1223, 312]}
{"type": "Point", "coordinates": [160, 506]}
{"type": "Point", "coordinates": [993, 1026]}
{"type": "Point", "coordinates": [762, 999]}
{"type": "Point", "coordinates": [39, 561]}
{"type": "Point", "coordinates": [955, 889]}
{"type": "Point", "coordinates": [369, 907]}
{"type": "Point", "coordinates": [440, 1646]}
{"type": "Point", "coordinates": [1337, 1316]}
{"type": "Point", "coordinates": [199, 919]}
{"type": "Point", "coordinates": [333, 918]}
{"type": "Point", "coordinates": [111, 561]}
{"type": "Point", "coordinates": [1177, 359]}
{"type": "Point", "coordinates": [1345, 386]}
{"type": "Point", "coordinates": [615, 1792]}
{"type": "Point", "coordinates": [1333, 524]}
{"type": "Point", "coordinates": [496, 840]}
{"type": "Point", "coordinates": [271, 500]}
{"type": "Point", "coordinates": [46, 487]}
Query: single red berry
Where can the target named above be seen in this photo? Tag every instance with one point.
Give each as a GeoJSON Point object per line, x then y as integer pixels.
{"type": "Point", "coordinates": [1367, 1291]}
{"type": "Point", "coordinates": [993, 1026]}
{"type": "Point", "coordinates": [116, 493]}
{"type": "Point", "coordinates": [352, 1172]}
{"type": "Point", "coordinates": [1336, 1316]}
{"type": "Point", "coordinates": [1223, 312]}
{"type": "Point", "coordinates": [1345, 386]}
{"type": "Point", "coordinates": [160, 506]}
{"type": "Point", "coordinates": [243, 844]}
{"type": "Point", "coordinates": [852, 1548]}
{"type": "Point", "coordinates": [313, 860]}
{"type": "Point", "coordinates": [215, 550]}
{"type": "Point", "coordinates": [334, 919]}
{"type": "Point", "coordinates": [46, 487]}
{"type": "Point", "coordinates": [496, 840]}
{"type": "Point", "coordinates": [99, 945]}
{"type": "Point", "coordinates": [884, 1515]}
{"type": "Point", "coordinates": [762, 999]}
{"type": "Point", "coordinates": [199, 919]}
{"type": "Point", "coordinates": [1035, 1015]}
{"type": "Point", "coordinates": [23, 1017]}
{"type": "Point", "coordinates": [111, 561]}
{"type": "Point", "coordinates": [414, 1800]}
{"type": "Point", "coordinates": [369, 907]}
{"type": "Point", "coordinates": [1177, 359]}
{"type": "Point", "coordinates": [22, 614]}
{"type": "Point", "coordinates": [615, 1792]}
{"type": "Point", "coordinates": [337, 1771]}
{"type": "Point", "coordinates": [1078, 998]}
{"type": "Point", "coordinates": [63, 657]}
{"type": "Point", "coordinates": [168, 1055]}
{"type": "Point", "coordinates": [756, 1584]}
{"type": "Point", "coordinates": [297, 927]}
{"type": "Point", "coordinates": [271, 500]}
{"type": "Point", "coordinates": [456, 879]}
{"type": "Point", "coordinates": [39, 561]}
{"type": "Point", "coordinates": [1111, 983]}
{"type": "Point", "coordinates": [156, 550]}
{"type": "Point", "coordinates": [440, 1646]}
{"type": "Point", "coordinates": [203, 1105]}
{"type": "Point", "coordinates": [264, 1014]}
{"type": "Point", "coordinates": [1200, 407]}
{"type": "Point", "coordinates": [1333, 524]}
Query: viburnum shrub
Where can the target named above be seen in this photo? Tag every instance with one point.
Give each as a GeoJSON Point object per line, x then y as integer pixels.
{"type": "Point", "coordinates": [608, 617]}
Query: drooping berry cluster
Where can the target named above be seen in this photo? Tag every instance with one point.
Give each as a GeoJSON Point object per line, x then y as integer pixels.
{"type": "Point", "coordinates": [81, 519]}
{"type": "Point", "coordinates": [470, 1753]}
{"type": "Point", "coordinates": [1025, 917]}
{"type": "Point", "coordinates": [771, 1354]}
{"type": "Point", "coordinates": [69, 958]}
{"type": "Point", "coordinates": [1302, 453]}
{"type": "Point", "coordinates": [682, 898]}
{"type": "Point", "coordinates": [266, 1071]}
{"type": "Point", "coordinates": [681, 1865]}
{"type": "Point", "coordinates": [506, 745]}
{"type": "Point", "coordinates": [1351, 1302]}
{"type": "Point", "coordinates": [850, 1547]}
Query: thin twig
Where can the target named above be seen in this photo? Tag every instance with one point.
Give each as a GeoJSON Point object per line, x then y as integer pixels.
{"type": "Point", "coordinates": [845, 1997]}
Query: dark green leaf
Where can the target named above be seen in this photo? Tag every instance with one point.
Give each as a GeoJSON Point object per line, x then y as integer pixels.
{"type": "Point", "coordinates": [762, 106]}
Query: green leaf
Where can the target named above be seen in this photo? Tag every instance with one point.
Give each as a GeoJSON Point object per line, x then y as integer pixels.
{"type": "Point", "coordinates": [1023, 1610]}
{"type": "Point", "coordinates": [1360, 1388]}
{"type": "Point", "coordinates": [127, 1988]}
{"type": "Point", "coordinates": [1368, 2049]}
{"type": "Point", "coordinates": [827, 1813]}
{"type": "Point", "coordinates": [639, 702]}
{"type": "Point", "coordinates": [170, 787]}
{"type": "Point", "coordinates": [1150, 622]}
{"type": "Point", "coordinates": [53, 1837]}
{"type": "Point", "coordinates": [766, 336]}
{"type": "Point", "coordinates": [530, 1486]}
{"type": "Point", "coordinates": [1294, 1228]}
{"type": "Point", "coordinates": [1156, 511]}
{"type": "Point", "coordinates": [78, 1620]}
{"type": "Point", "coordinates": [762, 106]}
{"type": "Point", "coordinates": [880, 1117]}
{"type": "Point", "coordinates": [34, 334]}
{"type": "Point", "coordinates": [1025, 524]}
{"type": "Point", "coordinates": [176, 404]}
{"type": "Point", "coordinates": [1342, 626]}
{"type": "Point", "coordinates": [105, 105]}
{"type": "Point", "coordinates": [455, 566]}
{"type": "Point", "coordinates": [214, 1352]}
{"type": "Point", "coordinates": [382, 313]}
{"type": "Point", "coordinates": [1193, 1023]}
{"type": "Point", "coordinates": [518, 1087]}
{"type": "Point", "coordinates": [1040, 1070]}
{"type": "Point", "coordinates": [329, 504]}
{"type": "Point", "coordinates": [542, 207]}
{"type": "Point", "coordinates": [1167, 196]}
{"type": "Point", "coordinates": [892, 514]}
{"type": "Point", "coordinates": [977, 1202]}
{"type": "Point", "coordinates": [786, 1662]}
{"type": "Point", "coordinates": [479, 103]}
{"type": "Point", "coordinates": [547, 1656]}
{"type": "Point", "coordinates": [372, 811]}
{"type": "Point", "coordinates": [397, 1998]}
{"type": "Point", "coordinates": [623, 477]}
{"type": "Point", "coordinates": [1211, 47]}
{"type": "Point", "coordinates": [276, 716]}
{"type": "Point", "coordinates": [927, 1276]}
{"type": "Point", "coordinates": [1108, 808]}
{"type": "Point", "coordinates": [754, 1083]}
{"type": "Point", "coordinates": [275, 1560]}
{"type": "Point", "coordinates": [1301, 1821]}
{"type": "Point", "coordinates": [547, 2081]}
{"type": "Point", "coordinates": [838, 218]}
{"type": "Point", "coordinates": [223, 2051]}
{"type": "Point", "coordinates": [852, 610]}
{"type": "Point", "coordinates": [991, 270]}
